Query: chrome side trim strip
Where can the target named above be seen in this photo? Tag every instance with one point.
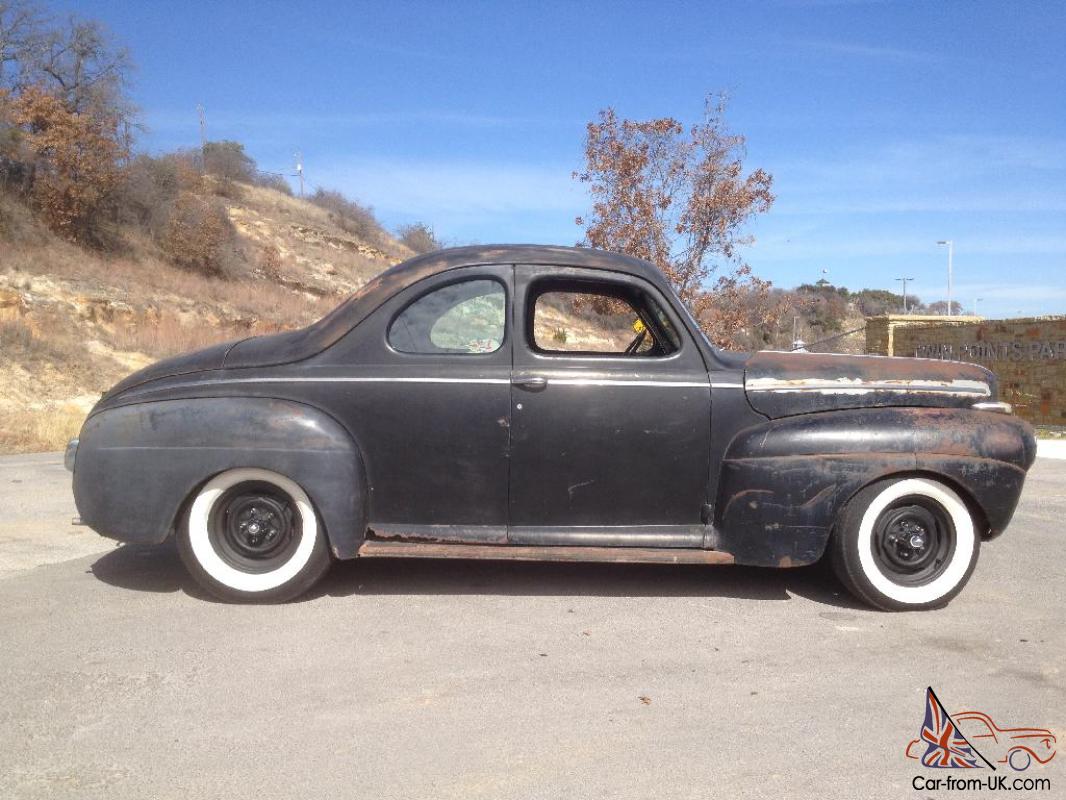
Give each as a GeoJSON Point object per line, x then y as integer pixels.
{"type": "Point", "coordinates": [70, 454]}
{"type": "Point", "coordinates": [493, 381]}
{"type": "Point", "coordinates": [998, 407]}
{"type": "Point", "coordinates": [858, 386]}
{"type": "Point", "coordinates": [296, 379]}
{"type": "Point", "coordinates": [622, 382]}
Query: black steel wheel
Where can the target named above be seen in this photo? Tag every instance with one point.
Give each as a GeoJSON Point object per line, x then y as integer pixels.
{"type": "Point", "coordinates": [252, 535]}
{"type": "Point", "coordinates": [913, 540]}
{"type": "Point", "coordinates": [907, 543]}
{"type": "Point", "coordinates": [254, 526]}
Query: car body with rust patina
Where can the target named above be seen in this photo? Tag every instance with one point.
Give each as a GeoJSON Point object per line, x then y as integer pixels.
{"type": "Point", "coordinates": [532, 402]}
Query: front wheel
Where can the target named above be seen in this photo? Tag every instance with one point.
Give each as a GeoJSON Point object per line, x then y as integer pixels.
{"type": "Point", "coordinates": [905, 544]}
{"type": "Point", "coordinates": [1020, 759]}
{"type": "Point", "coordinates": [252, 535]}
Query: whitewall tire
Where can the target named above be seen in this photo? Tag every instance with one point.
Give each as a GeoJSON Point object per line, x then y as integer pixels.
{"type": "Point", "coordinates": [253, 535]}
{"type": "Point", "coordinates": [905, 544]}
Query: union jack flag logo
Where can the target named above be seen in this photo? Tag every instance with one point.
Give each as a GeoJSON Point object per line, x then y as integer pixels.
{"type": "Point", "coordinates": [946, 747]}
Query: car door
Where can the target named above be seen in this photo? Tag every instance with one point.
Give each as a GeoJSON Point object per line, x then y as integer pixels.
{"type": "Point", "coordinates": [610, 414]}
{"type": "Point", "coordinates": [426, 393]}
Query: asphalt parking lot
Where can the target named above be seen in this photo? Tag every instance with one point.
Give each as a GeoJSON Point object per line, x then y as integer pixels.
{"type": "Point", "coordinates": [414, 679]}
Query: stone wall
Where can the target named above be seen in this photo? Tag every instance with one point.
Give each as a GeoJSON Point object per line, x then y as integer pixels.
{"type": "Point", "coordinates": [881, 331]}
{"type": "Point", "coordinates": [1027, 355]}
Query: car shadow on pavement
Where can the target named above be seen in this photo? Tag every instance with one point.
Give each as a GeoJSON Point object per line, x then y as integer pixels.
{"type": "Point", "coordinates": [537, 578]}
{"type": "Point", "coordinates": [159, 569]}
{"type": "Point", "coordinates": [147, 568]}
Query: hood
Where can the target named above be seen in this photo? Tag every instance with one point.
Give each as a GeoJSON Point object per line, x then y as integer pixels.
{"type": "Point", "coordinates": [196, 361]}
{"type": "Point", "coordinates": [784, 384]}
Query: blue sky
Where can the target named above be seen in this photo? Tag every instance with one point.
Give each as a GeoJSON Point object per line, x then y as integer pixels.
{"type": "Point", "coordinates": [886, 125]}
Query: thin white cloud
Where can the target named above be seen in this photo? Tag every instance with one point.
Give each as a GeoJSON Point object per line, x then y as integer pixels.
{"type": "Point", "coordinates": [999, 299]}
{"type": "Point", "coordinates": [1003, 291]}
{"type": "Point", "coordinates": [224, 124]}
{"type": "Point", "coordinates": [814, 246]}
{"type": "Point", "coordinates": [935, 159]}
{"type": "Point", "coordinates": [829, 3]}
{"type": "Point", "coordinates": [469, 200]}
{"type": "Point", "coordinates": [942, 203]}
{"type": "Point", "coordinates": [941, 174]}
{"type": "Point", "coordinates": [863, 50]}
{"type": "Point", "coordinates": [458, 188]}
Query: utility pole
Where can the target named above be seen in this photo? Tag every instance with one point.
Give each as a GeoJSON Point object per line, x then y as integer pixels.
{"type": "Point", "coordinates": [951, 249]}
{"type": "Point", "coordinates": [203, 136]}
{"type": "Point", "coordinates": [904, 292]}
{"type": "Point", "coordinates": [300, 171]}
{"type": "Point", "coordinates": [797, 342]}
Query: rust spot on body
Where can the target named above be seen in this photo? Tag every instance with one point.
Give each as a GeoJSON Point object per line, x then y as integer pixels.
{"type": "Point", "coordinates": [376, 548]}
{"type": "Point", "coordinates": [822, 495]}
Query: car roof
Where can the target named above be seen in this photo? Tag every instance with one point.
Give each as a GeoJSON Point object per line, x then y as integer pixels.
{"type": "Point", "coordinates": [292, 346]}
{"type": "Point", "coordinates": [526, 255]}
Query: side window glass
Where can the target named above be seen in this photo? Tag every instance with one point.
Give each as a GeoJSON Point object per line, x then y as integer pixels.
{"type": "Point", "coordinates": [976, 728]}
{"type": "Point", "coordinates": [601, 321]}
{"type": "Point", "coordinates": [466, 317]}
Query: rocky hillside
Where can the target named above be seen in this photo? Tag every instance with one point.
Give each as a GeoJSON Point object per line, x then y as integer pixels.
{"type": "Point", "coordinates": [73, 321]}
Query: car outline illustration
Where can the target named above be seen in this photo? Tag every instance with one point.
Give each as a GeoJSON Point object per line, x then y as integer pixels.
{"type": "Point", "coordinates": [1016, 747]}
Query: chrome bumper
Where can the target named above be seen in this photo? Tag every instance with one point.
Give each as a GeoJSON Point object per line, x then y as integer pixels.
{"type": "Point", "coordinates": [998, 407]}
{"type": "Point", "coordinates": [70, 454]}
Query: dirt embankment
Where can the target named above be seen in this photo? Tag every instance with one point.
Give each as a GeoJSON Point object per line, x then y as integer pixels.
{"type": "Point", "coordinates": [74, 321]}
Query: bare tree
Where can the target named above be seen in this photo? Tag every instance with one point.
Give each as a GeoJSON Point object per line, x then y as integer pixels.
{"type": "Point", "coordinates": [22, 34]}
{"type": "Point", "coordinates": [680, 199]}
{"type": "Point", "coordinates": [84, 67]}
{"type": "Point", "coordinates": [941, 307]}
{"type": "Point", "coordinates": [350, 216]}
{"type": "Point", "coordinates": [73, 59]}
{"type": "Point", "coordinates": [419, 237]}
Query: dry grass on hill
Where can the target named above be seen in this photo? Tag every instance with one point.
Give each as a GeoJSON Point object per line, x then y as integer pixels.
{"type": "Point", "coordinates": [74, 321]}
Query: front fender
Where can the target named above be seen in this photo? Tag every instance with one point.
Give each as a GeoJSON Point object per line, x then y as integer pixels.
{"type": "Point", "coordinates": [784, 482]}
{"type": "Point", "coordinates": [137, 464]}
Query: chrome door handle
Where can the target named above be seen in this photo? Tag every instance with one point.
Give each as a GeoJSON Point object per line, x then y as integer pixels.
{"type": "Point", "coordinates": [534, 384]}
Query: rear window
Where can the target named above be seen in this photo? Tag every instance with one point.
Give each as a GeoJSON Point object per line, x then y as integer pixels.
{"type": "Point", "coordinates": [460, 318]}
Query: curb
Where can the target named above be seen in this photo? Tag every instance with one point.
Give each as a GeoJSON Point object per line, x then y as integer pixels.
{"type": "Point", "coordinates": [1051, 448]}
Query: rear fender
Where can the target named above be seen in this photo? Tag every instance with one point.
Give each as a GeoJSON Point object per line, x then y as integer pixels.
{"type": "Point", "coordinates": [138, 464]}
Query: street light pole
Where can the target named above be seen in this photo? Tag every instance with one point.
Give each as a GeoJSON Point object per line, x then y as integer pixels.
{"type": "Point", "coordinates": [951, 250]}
{"type": "Point", "coordinates": [976, 300]}
{"type": "Point", "coordinates": [904, 292]}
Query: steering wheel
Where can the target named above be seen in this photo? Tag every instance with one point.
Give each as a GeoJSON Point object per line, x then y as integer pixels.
{"type": "Point", "coordinates": [638, 340]}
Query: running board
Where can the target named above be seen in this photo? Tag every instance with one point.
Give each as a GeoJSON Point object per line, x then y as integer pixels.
{"type": "Point", "coordinates": [373, 548]}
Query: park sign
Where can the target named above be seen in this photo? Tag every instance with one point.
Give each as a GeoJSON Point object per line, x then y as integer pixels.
{"type": "Point", "coordinates": [993, 351]}
{"type": "Point", "coordinates": [1028, 355]}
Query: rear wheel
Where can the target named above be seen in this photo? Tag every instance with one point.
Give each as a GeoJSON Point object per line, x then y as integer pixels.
{"type": "Point", "coordinates": [905, 544]}
{"type": "Point", "coordinates": [252, 535]}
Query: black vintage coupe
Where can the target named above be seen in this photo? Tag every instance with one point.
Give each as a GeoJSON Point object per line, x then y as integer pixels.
{"type": "Point", "coordinates": [525, 402]}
